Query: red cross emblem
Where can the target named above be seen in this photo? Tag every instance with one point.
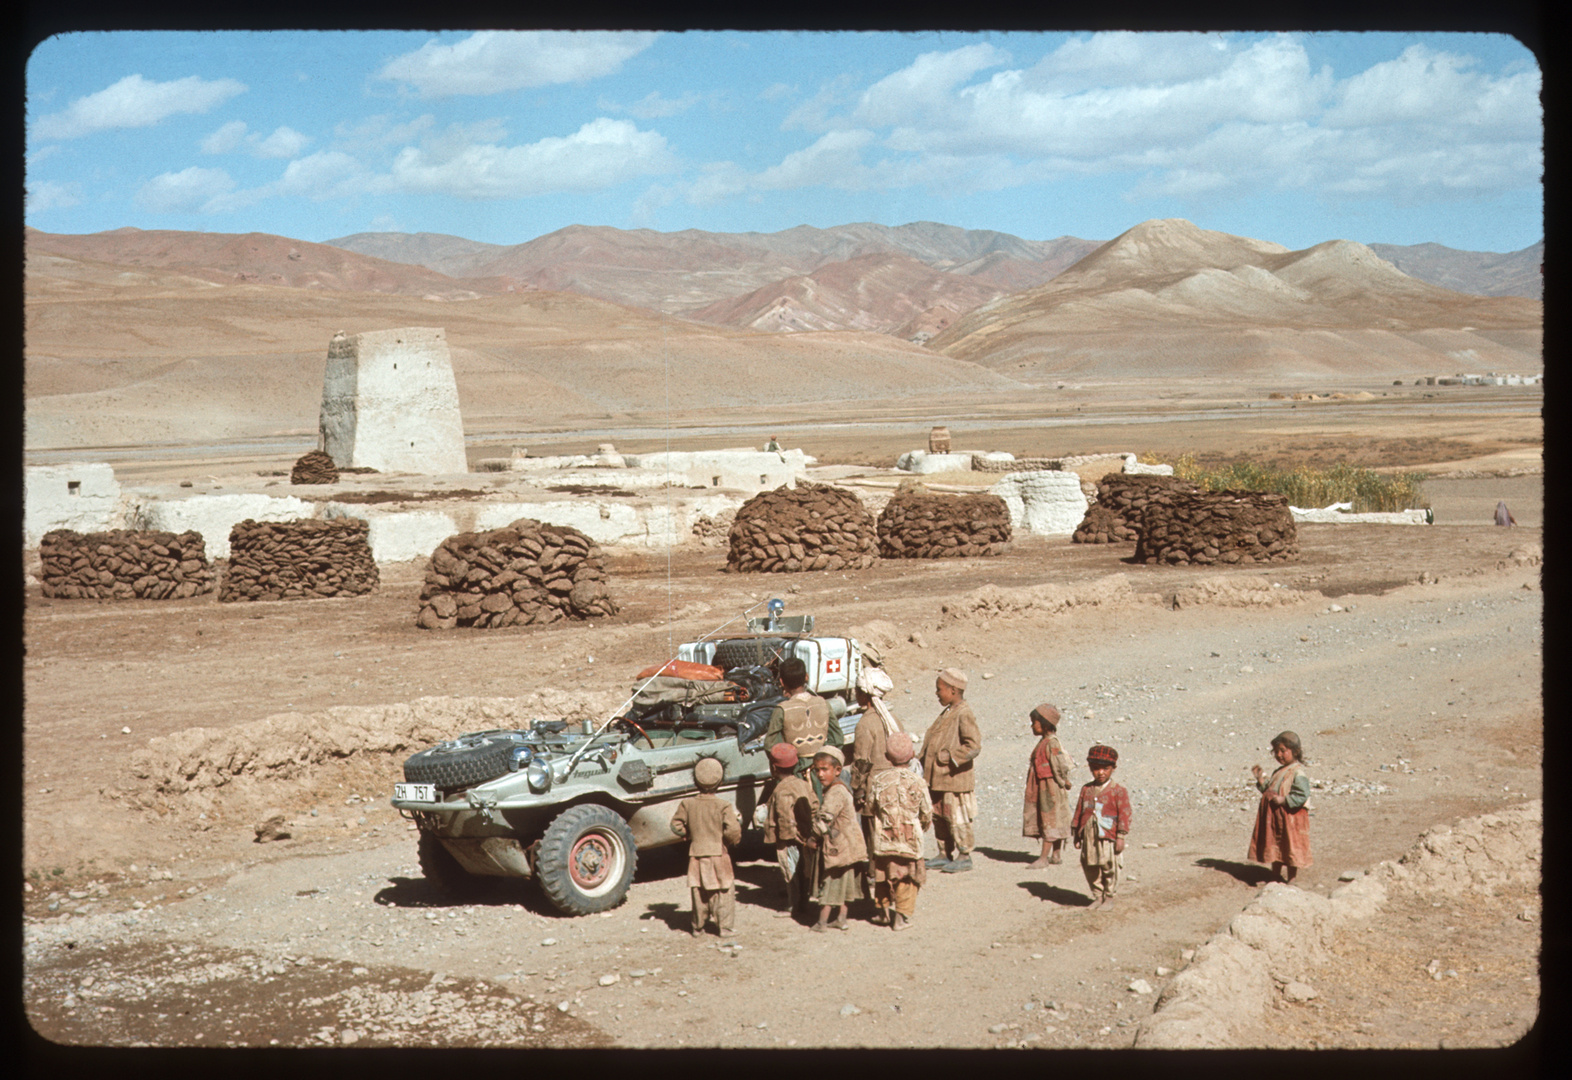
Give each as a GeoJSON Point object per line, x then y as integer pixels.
{"type": "Point", "coordinates": [832, 666]}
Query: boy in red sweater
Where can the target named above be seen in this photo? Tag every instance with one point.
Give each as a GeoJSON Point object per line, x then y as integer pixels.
{"type": "Point", "coordinates": [1102, 818]}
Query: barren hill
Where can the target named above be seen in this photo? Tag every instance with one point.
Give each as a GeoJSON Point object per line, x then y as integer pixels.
{"type": "Point", "coordinates": [869, 292]}
{"type": "Point", "coordinates": [261, 259]}
{"type": "Point", "coordinates": [1168, 298]}
{"type": "Point", "coordinates": [137, 355]}
{"type": "Point", "coordinates": [1484, 273]}
{"type": "Point", "coordinates": [682, 272]}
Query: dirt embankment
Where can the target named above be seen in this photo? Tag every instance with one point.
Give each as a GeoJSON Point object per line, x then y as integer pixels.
{"type": "Point", "coordinates": [1273, 951]}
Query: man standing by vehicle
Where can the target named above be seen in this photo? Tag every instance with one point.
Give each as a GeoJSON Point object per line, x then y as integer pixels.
{"type": "Point", "coordinates": [803, 720]}
{"type": "Point", "coordinates": [952, 742]}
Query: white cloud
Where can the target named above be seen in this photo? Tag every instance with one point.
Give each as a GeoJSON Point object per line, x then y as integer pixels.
{"type": "Point", "coordinates": [325, 175]}
{"type": "Point", "coordinates": [1194, 115]}
{"type": "Point", "coordinates": [135, 102]}
{"type": "Point", "coordinates": [927, 87]}
{"type": "Point", "coordinates": [381, 131]}
{"type": "Point", "coordinates": [1425, 86]}
{"type": "Point", "coordinates": [654, 105]}
{"type": "Point", "coordinates": [190, 191]}
{"type": "Point", "coordinates": [492, 62]}
{"type": "Point", "coordinates": [226, 139]}
{"type": "Point", "coordinates": [601, 154]}
{"type": "Point", "coordinates": [49, 195]}
{"type": "Point", "coordinates": [285, 142]}
{"type": "Point", "coordinates": [1126, 58]}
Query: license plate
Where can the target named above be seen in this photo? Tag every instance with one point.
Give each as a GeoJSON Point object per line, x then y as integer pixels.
{"type": "Point", "coordinates": [415, 792]}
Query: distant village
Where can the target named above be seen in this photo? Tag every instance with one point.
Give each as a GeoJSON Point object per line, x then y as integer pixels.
{"type": "Point", "coordinates": [1488, 379]}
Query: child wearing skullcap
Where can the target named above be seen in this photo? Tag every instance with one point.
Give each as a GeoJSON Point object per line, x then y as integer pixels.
{"type": "Point", "coordinates": [788, 824]}
{"type": "Point", "coordinates": [1102, 820]}
{"type": "Point", "coordinates": [1046, 813]}
{"type": "Point", "coordinates": [899, 812]}
{"type": "Point", "coordinates": [1282, 823]}
{"type": "Point", "coordinates": [838, 836]}
{"type": "Point", "coordinates": [711, 825]}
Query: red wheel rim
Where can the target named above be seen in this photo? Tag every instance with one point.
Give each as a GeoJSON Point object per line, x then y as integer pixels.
{"type": "Point", "coordinates": [590, 862]}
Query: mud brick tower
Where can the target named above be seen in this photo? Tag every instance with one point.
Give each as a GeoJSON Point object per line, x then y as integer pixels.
{"type": "Point", "coordinates": [389, 402]}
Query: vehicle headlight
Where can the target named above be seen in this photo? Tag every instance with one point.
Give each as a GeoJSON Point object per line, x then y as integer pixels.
{"type": "Point", "coordinates": [538, 773]}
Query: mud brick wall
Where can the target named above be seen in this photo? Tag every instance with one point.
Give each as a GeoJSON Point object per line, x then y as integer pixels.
{"type": "Point", "coordinates": [124, 564]}
{"type": "Point", "coordinates": [918, 524]}
{"type": "Point", "coordinates": [298, 560]}
{"type": "Point", "coordinates": [810, 527]}
{"type": "Point", "coordinates": [1217, 527]}
{"type": "Point", "coordinates": [1115, 518]}
{"type": "Point", "coordinates": [314, 468]}
{"type": "Point", "coordinates": [1020, 464]}
{"type": "Point", "coordinates": [526, 573]}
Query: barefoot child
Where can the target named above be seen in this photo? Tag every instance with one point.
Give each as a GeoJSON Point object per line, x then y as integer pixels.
{"type": "Point", "coordinates": [1282, 824]}
{"type": "Point", "coordinates": [711, 825]}
{"type": "Point", "coordinates": [841, 847]}
{"type": "Point", "coordinates": [1047, 810]}
{"type": "Point", "coordinates": [788, 823]}
{"type": "Point", "coordinates": [899, 813]}
{"type": "Point", "coordinates": [1102, 818]}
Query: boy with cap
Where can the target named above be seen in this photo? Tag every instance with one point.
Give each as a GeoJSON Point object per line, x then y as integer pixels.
{"type": "Point", "coordinates": [950, 745]}
{"type": "Point", "coordinates": [840, 842]}
{"type": "Point", "coordinates": [1047, 810]}
{"type": "Point", "coordinates": [899, 813]}
{"type": "Point", "coordinates": [1102, 818]}
{"type": "Point", "coordinates": [788, 823]}
{"type": "Point", "coordinates": [711, 825]}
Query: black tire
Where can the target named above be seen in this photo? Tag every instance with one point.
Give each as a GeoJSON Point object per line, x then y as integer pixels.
{"type": "Point", "coordinates": [464, 761]}
{"type": "Point", "coordinates": [749, 652]}
{"type": "Point", "coordinates": [445, 873]}
{"type": "Point", "coordinates": [586, 860]}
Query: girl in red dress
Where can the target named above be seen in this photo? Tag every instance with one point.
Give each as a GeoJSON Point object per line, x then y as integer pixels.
{"type": "Point", "coordinates": [1282, 824]}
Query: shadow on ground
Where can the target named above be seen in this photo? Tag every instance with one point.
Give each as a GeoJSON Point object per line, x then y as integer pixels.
{"type": "Point", "coordinates": [1006, 856]}
{"type": "Point", "coordinates": [1054, 894]}
{"type": "Point", "coordinates": [1249, 873]}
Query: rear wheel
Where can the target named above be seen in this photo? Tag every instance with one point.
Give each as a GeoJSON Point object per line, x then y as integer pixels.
{"type": "Point", "coordinates": [586, 859]}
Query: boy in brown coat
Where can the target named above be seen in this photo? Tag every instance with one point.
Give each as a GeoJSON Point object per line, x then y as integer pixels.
{"type": "Point", "coordinates": [950, 745]}
{"type": "Point", "coordinates": [711, 825]}
{"type": "Point", "coordinates": [788, 823]}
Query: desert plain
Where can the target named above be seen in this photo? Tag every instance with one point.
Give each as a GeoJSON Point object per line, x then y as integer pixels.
{"type": "Point", "coordinates": [1408, 658]}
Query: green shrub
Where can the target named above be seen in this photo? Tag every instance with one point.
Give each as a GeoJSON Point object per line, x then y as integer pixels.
{"type": "Point", "coordinates": [1307, 487]}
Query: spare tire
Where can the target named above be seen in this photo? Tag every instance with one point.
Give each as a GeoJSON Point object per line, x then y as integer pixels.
{"type": "Point", "coordinates": [464, 761]}
{"type": "Point", "coordinates": [751, 652]}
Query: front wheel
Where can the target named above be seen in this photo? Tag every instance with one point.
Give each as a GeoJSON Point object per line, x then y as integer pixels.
{"type": "Point", "coordinates": [585, 860]}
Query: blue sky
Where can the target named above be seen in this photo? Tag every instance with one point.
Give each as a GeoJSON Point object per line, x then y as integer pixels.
{"type": "Point", "coordinates": [503, 137]}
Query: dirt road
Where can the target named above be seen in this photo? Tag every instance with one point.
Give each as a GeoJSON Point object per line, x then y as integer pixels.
{"type": "Point", "coordinates": [1417, 703]}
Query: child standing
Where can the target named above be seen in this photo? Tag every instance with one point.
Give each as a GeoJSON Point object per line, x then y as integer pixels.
{"type": "Point", "coordinates": [899, 813]}
{"type": "Point", "coordinates": [711, 825]}
{"type": "Point", "coordinates": [1282, 824]}
{"type": "Point", "coordinates": [1047, 810]}
{"type": "Point", "coordinates": [1102, 819]}
{"type": "Point", "coordinates": [840, 842]}
{"type": "Point", "coordinates": [788, 823]}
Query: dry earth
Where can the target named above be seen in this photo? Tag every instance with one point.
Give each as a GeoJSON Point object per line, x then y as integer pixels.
{"type": "Point", "coordinates": [1418, 703]}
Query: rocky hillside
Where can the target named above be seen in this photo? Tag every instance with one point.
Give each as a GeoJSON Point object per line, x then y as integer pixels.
{"type": "Point", "coordinates": [1169, 298]}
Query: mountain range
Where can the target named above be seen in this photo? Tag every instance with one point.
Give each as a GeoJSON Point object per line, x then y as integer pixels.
{"type": "Point", "coordinates": [175, 336]}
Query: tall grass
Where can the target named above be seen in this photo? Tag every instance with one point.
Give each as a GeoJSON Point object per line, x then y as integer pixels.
{"type": "Point", "coordinates": [1306, 487]}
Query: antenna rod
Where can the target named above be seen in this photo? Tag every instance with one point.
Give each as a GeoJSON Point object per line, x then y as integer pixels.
{"type": "Point", "coordinates": [579, 753]}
